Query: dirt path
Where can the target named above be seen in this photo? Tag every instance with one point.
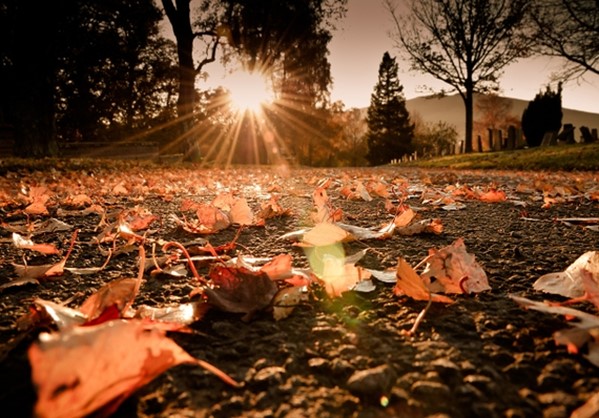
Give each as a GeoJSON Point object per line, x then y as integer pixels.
{"type": "Point", "coordinates": [482, 355]}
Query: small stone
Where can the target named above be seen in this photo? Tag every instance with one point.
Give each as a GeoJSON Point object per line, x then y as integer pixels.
{"type": "Point", "coordinates": [425, 389]}
{"type": "Point", "coordinates": [478, 381]}
{"type": "Point", "coordinates": [319, 363]}
{"type": "Point", "coordinates": [373, 382]}
{"type": "Point", "coordinates": [340, 367]}
{"type": "Point", "coordinates": [558, 398]}
{"type": "Point", "coordinates": [269, 375]}
{"type": "Point", "coordinates": [447, 370]}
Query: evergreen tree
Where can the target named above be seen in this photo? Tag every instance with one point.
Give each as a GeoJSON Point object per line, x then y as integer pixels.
{"type": "Point", "coordinates": [390, 131]}
{"type": "Point", "coordinates": [543, 114]}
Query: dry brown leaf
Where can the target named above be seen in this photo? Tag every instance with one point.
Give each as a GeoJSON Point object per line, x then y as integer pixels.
{"type": "Point", "coordinates": [80, 200]}
{"type": "Point", "coordinates": [492, 196]}
{"type": "Point", "coordinates": [118, 294]}
{"type": "Point", "coordinates": [279, 267]}
{"type": "Point", "coordinates": [584, 331]}
{"type": "Point", "coordinates": [339, 275]}
{"type": "Point", "coordinates": [404, 218]}
{"type": "Point", "coordinates": [378, 188]}
{"type": "Point", "coordinates": [183, 314]}
{"type": "Point", "coordinates": [455, 269]}
{"type": "Point", "coordinates": [241, 213]}
{"type": "Point", "coordinates": [434, 226]}
{"type": "Point", "coordinates": [84, 369]}
{"type": "Point", "coordinates": [21, 242]}
{"type": "Point", "coordinates": [39, 196]}
{"type": "Point", "coordinates": [569, 283]}
{"type": "Point", "coordinates": [324, 234]}
{"type": "Point", "coordinates": [409, 283]}
{"type": "Point", "coordinates": [239, 290]}
{"type": "Point", "coordinates": [34, 274]}
{"type": "Point", "coordinates": [272, 209]}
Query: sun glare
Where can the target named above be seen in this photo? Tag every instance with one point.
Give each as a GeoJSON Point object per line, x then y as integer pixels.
{"type": "Point", "coordinates": [249, 91]}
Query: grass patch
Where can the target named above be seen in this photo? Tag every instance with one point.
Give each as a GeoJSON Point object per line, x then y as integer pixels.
{"type": "Point", "coordinates": [575, 157]}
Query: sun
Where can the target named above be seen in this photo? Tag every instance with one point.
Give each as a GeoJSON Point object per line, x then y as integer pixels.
{"type": "Point", "coordinates": [249, 91]}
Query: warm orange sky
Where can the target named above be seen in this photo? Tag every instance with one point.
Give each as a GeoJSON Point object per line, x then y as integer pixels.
{"type": "Point", "coordinates": [362, 38]}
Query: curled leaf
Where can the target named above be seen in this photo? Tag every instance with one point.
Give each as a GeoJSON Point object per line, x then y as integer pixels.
{"type": "Point", "coordinates": [569, 282]}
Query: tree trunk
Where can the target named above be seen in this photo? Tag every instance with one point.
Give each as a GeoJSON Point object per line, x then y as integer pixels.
{"type": "Point", "coordinates": [469, 109]}
{"type": "Point", "coordinates": [180, 19]}
{"type": "Point", "coordinates": [35, 66]}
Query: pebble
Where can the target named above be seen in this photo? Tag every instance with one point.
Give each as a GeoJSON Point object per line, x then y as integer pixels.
{"type": "Point", "coordinates": [430, 390]}
{"type": "Point", "coordinates": [340, 367]}
{"type": "Point", "coordinates": [479, 381]}
{"type": "Point", "coordinates": [372, 382]}
{"type": "Point", "coordinates": [319, 364]}
{"type": "Point", "coordinates": [272, 375]}
{"type": "Point", "coordinates": [447, 370]}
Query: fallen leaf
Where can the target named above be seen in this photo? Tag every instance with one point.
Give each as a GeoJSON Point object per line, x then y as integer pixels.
{"type": "Point", "coordinates": [434, 226]}
{"type": "Point", "coordinates": [492, 196]}
{"type": "Point", "coordinates": [409, 283]}
{"type": "Point", "coordinates": [118, 294]}
{"type": "Point", "coordinates": [34, 274]}
{"type": "Point", "coordinates": [324, 234]}
{"type": "Point", "coordinates": [83, 369]}
{"type": "Point", "coordinates": [569, 283]}
{"type": "Point", "coordinates": [183, 314]}
{"type": "Point", "coordinates": [455, 269]}
{"type": "Point", "coordinates": [272, 209]}
{"type": "Point", "coordinates": [339, 275]}
{"type": "Point", "coordinates": [403, 218]}
{"type": "Point", "coordinates": [585, 331]}
{"type": "Point", "coordinates": [280, 267]}
{"type": "Point", "coordinates": [62, 316]}
{"type": "Point", "coordinates": [239, 290]}
{"type": "Point", "coordinates": [21, 242]}
{"type": "Point", "coordinates": [39, 196]}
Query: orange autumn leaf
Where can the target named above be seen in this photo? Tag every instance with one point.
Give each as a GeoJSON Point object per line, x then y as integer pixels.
{"type": "Point", "coordinates": [409, 283]}
{"type": "Point", "coordinates": [39, 197]}
{"type": "Point", "coordinates": [21, 242]}
{"type": "Point", "coordinates": [272, 208]}
{"type": "Point", "coordinates": [35, 274]}
{"type": "Point", "coordinates": [241, 213]}
{"type": "Point", "coordinates": [455, 269]}
{"type": "Point", "coordinates": [404, 217]}
{"type": "Point", "coordinates": [378, 188]}
{"type": "Point", "coordinates": [211, 218]}
{"type": "Point", "coordinates": [493, 196]}
{"type": "Point", "coordinates": [80, 200]}
{"type": "Point", "coordinates": [87, 369]}
{"type": "Point", "coordinates": [279, 267]}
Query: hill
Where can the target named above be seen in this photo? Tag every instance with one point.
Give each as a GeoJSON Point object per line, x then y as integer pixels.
{"type": "Point", "coordinates": [451, 110]}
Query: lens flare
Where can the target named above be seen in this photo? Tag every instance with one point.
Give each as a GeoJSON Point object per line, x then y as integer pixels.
{"type": "Point", "coordinates": [249, 91]}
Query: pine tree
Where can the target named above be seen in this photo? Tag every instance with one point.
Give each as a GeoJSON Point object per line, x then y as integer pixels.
{"type": "Point", "coordinates": [543, 114]}
{"type": "Point", "coordinates": [390, 131]}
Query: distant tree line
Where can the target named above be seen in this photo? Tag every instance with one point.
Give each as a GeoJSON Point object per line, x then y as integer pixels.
{"type": "Point", "coordinates": [97, 69]}
{"type": "Point", "coordinates": [101, 70]}
{"type": "Point", "coordinates": [467, 43]}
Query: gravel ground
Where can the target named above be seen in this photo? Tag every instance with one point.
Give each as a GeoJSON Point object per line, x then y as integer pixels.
{"type": "Point", "coordinates": [350, 356]}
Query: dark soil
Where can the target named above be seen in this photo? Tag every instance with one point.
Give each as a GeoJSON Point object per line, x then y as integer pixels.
{"type": "Point", "coordinates": [482, 356]}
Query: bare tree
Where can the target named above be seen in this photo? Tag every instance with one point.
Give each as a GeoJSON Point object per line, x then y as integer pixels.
{"type": "Point", "coordinates": [568, 29]}
{"type": "Point", "coordinates": [464, 43]}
